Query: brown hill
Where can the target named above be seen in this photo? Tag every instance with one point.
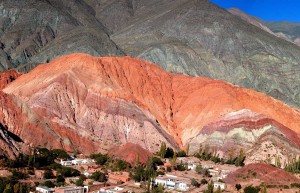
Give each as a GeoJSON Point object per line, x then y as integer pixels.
{"type": "Point", "coordinates": [262, 172]}
{"type": "Point", "coordinates": [130, 152]}
{"type": "Point", "coordinates": [89, 103]}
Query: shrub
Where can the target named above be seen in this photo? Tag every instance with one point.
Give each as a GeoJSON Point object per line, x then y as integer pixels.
{"type": "Point", "coordinates": [251, 189]}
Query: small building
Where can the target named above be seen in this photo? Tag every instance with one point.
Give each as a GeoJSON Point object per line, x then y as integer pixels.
{"type": "Point", "coordinates": [173, 182]}
{"type": "Point", "coordinates": [95, 188]}
{"type": "Point", "coordinates": [121, 176]}
{"type": "Point", "coordinates": [219, 184]}
{"type": "Point", "coordinates": [112, 189]}
{"type": "Point", "coordinates": [43, 189]}
{"type": "Point", "coordinates": [214, 172]}
{"type": "Point", "coordinates": [69, 189]}
{"type": "Point", "coordinates": [207, 166]}
{"type": "Point", "coordinates": [66, 163]}
{"type": "Point", "coordinates": [86, 173]}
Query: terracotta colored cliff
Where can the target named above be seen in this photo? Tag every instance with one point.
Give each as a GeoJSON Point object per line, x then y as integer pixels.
{"type": "Point", "coordinates": [132, 153]}
{"type": "Point", "coordinates": [115, 100]}
{"type": "Point", "coordinates": [264, 172]}
{"type": "Point", "coordinates": [7, 77]}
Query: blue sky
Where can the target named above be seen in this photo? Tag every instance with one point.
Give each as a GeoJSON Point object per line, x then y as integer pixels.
{"type": "Point", "coordinates": [268, 10]}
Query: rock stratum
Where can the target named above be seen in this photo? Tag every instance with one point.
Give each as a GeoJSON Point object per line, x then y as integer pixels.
{"type": "Point", "coordinates": [90, 104]}
{"type": "Point", "coordinates": [192, 37]}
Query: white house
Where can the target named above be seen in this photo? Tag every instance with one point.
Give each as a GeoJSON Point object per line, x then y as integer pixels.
{"type": "Point", "coordinates": [192, 166]}
{"type": "Point", "coordinates": [219, 184]}
{"type": "Point", "coordinates": [70, 189]}
{"type": "Point", "coordinates": [111, 189]}
{"type": "Point", "coordinates": [86, 173]}
{"type": "Point", "coordinates": [173, 182]}
{"type": "Point", "coordinates": [66, 163]}
{"type": "Point", "coordinates": [43, 189]}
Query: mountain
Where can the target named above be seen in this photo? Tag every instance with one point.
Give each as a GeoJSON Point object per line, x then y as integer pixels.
{"type": "Point", "coordinates": [34, 32]}
{"type": "Point", "coordinates": [250, 19]}
{"type": "Point", "coordinates": [290, 30]}
{"type": "Point", "coordinates": [198, 38]}
{"type": "Point", "coordinates": [192, 37]}
{"type": "Point", "coordinates": [85, 103]}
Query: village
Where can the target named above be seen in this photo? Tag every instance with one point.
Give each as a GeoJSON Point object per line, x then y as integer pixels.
{"type": "Point", "coordinates": [56, 171]}
{"type": "Point", "coordinates": [98, 173]}
{"type": "Point", "coordinates": [121, 182]}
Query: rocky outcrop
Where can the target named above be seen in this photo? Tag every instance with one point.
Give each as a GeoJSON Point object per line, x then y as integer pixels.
{"type": "Point", "coordinates": [7, 77]}
{"type": "Point", "coordinates": [93, 104]}
{"type": "Point", "coordinates": [268, 174]}
{"type": "Point", "coordinates": [131, 153]}
{"type": "Point", "coordinates": [260, 136]}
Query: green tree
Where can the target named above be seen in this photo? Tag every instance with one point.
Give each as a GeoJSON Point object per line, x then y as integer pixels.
{"type": "Point", "coordinates": [79, 182]}
{"type": "Point", "coordinates": [163, 149]}
{"type": "Point", "coordinates": [210, 187]}
{"type": "Point", "coordinates": [195, 183]}
{"type": "Point", "coordinates": [49, 184]}
{"type": "Point", "coordinates": [98, 176]}
{"type": "Point", "coordinates": [48, 174]}
{"type": "Point", "coordinates": [204, 181]}
{"type": "Point", "coordinates": [240, 159]}
{"type": "Point", "coordinates": [169, 153]}
{"type": "Point", "coordinates": [16, 188]}
{"type": "Point", "coordinates": [251, 189]}
{"type": "Point", "coordinates": [60, 180]}
{"type": "Point", "coordinates": [181, 153]}
{"type": "Point", "coordinates": [238, 187]}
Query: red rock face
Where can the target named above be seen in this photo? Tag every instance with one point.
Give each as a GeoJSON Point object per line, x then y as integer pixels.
{"type": "Point", "coordinates": [92, 104]}
{"type": "Point", "coordinates": [132, 153]}
{"type": "Point", "coordinates": [7, 77]}
{"type": "Point", "coordinates": [264, 172]}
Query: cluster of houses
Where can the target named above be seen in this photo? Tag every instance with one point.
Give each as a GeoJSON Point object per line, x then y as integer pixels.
{"type": "Point", "coordinates": [119, 181]}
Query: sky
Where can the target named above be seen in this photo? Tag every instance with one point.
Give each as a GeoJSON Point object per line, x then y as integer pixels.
{"type": "Point", "coordinates": [268, 10]}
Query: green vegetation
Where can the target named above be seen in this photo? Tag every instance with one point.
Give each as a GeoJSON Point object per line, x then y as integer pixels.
{"type": "Point", "coordinates": [210, 187]}
{"type": "Point", "coordinates": [293, 165]}
{"type": "Point", "coordinates": [41, 157]}
{"type": "Point", "coordinates": [8, 185]}
{"type": "Point", "coordinates": [207, 153]}
{"type": "Point", "coordinates": [195, 183]}
{"type": "Point", "coordinates": [98, 176]}
{"type": "Point", "coordinates": [181, 153]}
{"type": "Point", "coordinates": [48, 174]}
{"type": "Point", "coordinates": [238, 187]}
{"type": "Point", "coordinates": [251, 189]}
{"type": "Point", "coordinates": [100, 159]}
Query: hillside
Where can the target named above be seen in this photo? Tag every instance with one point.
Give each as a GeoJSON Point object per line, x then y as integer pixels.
{"type": "Point", "coordinates": [90, 103]}
{"type": "Point", "coordinates": [193, 37]}
{"type": "Point", "coordinates": [263, 173]}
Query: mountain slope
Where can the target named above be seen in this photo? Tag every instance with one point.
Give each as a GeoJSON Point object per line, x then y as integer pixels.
{"type": "Point", "coordinates": [109, 101]}
{"type": "Point", "coordinates": [33, 32]}
{"type": "Point", "coordinates": [289, 30]}
{"type": "Point", "coordinates": [193, 37]}
{"type": "Point", "coordinates": [200, 39]}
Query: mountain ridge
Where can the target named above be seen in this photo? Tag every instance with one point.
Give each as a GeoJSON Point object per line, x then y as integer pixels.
{"type": "Point", "coordinates": [114, 92]}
